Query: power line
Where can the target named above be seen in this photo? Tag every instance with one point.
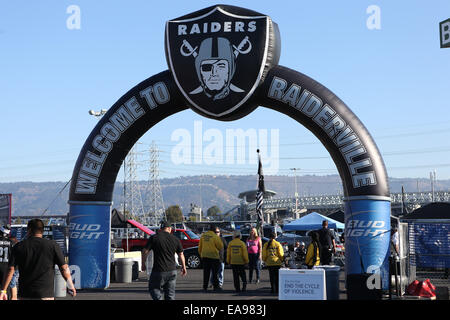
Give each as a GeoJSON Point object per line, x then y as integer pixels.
{"type": "Point", "coordinates": [133, 197]}
{"type": "Point", "coordinates": [156, 209]}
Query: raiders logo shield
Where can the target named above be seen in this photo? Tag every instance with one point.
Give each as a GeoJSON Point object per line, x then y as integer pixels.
{"type": "Point", "coordinates": [217, 57]}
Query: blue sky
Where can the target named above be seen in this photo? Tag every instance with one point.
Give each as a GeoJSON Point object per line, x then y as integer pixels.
{"type": "Point", "coordinates": [395, 79]}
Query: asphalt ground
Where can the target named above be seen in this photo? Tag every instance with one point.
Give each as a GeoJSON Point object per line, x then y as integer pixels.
{"type": "Point", "coordinates": [190, 287]}
{"type": "Point", "coordinates": [131, 300]}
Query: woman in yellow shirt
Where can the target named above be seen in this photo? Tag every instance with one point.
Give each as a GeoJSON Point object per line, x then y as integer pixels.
{"type": "Point", "coordinates": [313, 253]}
{"type": "Point", "coordinates": [273, 256]}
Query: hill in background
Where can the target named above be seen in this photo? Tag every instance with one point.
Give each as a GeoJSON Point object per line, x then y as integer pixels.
{"type": "Point", "coordinates": [33, 198]}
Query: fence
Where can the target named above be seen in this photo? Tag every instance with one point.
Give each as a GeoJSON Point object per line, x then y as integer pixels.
{"type": "Point", "coordinates": [59, 234]}
{"type": "Point", "coordinates": [429, 250]}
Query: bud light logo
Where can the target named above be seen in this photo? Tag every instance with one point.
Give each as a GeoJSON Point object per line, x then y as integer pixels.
{"type": "Point", "coordinates": [367, 225]}
{"type": "Point", "coordinates": [89, 243]}
{"type": "Point", "coordinates": [361, 228]}
{"type": "Point", "coordinates": [85, 231]}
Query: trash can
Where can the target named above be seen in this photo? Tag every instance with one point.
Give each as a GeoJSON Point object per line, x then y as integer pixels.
{"type": "Point", "coordinates": [135, 271]}
{"type": "Point", "coordinates": [331, 280]}
{"type": "Point", "coordinates": [60, 284]}
{"type": "Point", "coordinates": [124, 270]}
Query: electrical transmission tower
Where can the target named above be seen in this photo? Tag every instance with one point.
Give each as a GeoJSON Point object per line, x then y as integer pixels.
{"type": "Point", "coordinates": [156, 211]}
{"type": "Point", "coordinates": [133, 198]}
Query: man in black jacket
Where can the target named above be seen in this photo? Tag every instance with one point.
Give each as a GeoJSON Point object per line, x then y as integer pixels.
{"type": "Point", "coordinates": [326, 239]}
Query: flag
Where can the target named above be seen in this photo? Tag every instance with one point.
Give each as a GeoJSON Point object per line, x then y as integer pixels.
{"type": "Point", "coordinates": [260, 193]}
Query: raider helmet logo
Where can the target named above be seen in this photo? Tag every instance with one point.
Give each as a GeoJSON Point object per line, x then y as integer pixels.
{"type": "Point", "coordinates": [217, 58]}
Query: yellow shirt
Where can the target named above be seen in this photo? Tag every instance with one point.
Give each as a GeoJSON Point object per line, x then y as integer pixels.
{"type": "Point", "coordinates": [309, 260]}
{"type": "Point", "coordinates": [237, 252]}
{"type": "Point", "coordinates": [209, 246]}
{"type": "Point", "coordinates": [273, 255]}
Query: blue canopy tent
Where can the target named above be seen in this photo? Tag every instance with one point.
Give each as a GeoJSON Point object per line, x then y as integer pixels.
{"type": "Point", "coordinates": [312, 221]}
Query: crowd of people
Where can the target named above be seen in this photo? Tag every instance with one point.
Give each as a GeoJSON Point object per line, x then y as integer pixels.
{"type": "Point", "coordinates": [215, 252]}
{"type": "Point", "coordinates": [35, 258]}
{"type": "Point", "coordinates": [238, 254]}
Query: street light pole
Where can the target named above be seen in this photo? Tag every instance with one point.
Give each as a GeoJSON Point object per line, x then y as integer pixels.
{"type": "Point", "coordinates": [296, 193]}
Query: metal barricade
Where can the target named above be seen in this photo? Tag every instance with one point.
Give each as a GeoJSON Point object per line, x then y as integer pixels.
{"type": "Point", "coordinates": [429, 251]}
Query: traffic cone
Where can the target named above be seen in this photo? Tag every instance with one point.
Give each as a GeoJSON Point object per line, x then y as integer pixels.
{"type": "Point", "coordinates": [413, 288]}
{"type": "Point", "coordinates": [421, 289]}
{"type": "Point", "coordinates": [427, 289]}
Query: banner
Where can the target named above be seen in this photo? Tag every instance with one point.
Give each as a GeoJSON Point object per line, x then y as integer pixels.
{"type": "Point", "coordinates": [367, 236]}
{"type": "Point", "coordinates": [90, 242]}
{"type": "Point", "coordinates": [5, 208]}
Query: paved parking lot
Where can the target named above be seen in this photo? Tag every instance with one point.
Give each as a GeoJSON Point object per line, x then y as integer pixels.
{"type": "Point", "coordinates": [189, 288]}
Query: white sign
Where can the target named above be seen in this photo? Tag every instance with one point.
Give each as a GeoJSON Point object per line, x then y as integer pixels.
{"type": "Point", "coordinates": [75, 272]}
{"type": "Point", "coordinates": [302, 284]}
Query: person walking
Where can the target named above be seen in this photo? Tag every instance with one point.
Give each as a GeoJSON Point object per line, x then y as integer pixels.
{"type": "Point", "coordinates": [14, 280]}
{"type": "Point", "coordinates": [273, 256]}
{"type": "Point", "coordinates": [222, 257]}
{"type": "Point", "coordinates": [254, 247]}
{"type": "Point", "coordinates": [36, 257]}
{"type": "Point", "coordinates": [237, 257]}
{"type": "Point", "coordinates": [327, 243]}
{"type": "Point", "coordinates": [209, 248]}
{"type": "Point", "coordinates": [313, 253]}
{"type": "Point", "coordinates": [5, 252]}
{"type": "Point", "coordinates": [162, 281]}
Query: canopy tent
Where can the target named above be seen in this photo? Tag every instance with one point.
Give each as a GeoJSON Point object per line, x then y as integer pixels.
{"type": "Point", "coordinates": [312, 221]}
{"type": "Point", "coordinates": [338, 216]}
{"type": "Point", "coordinates": [117, 219]}
{"type": "Point", "coordinates": [433, 210]}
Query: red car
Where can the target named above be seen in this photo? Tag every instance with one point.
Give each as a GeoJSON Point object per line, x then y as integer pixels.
{"type": "Point", "coordinates": [187, 237]}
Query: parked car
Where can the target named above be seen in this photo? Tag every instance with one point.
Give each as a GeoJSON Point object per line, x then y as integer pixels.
{"type": "Point", "coordinates": [187, 237]}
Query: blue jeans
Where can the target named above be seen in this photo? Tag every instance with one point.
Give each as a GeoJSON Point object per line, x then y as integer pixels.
{"type": "Point", "coordinates": [253, 264]}
{"type": "Point", "coordinates": [219, 274]}
{"type": "Point", "coordinates": [14, 279]}
{"type": "Point", "coordinates": [162, 283]}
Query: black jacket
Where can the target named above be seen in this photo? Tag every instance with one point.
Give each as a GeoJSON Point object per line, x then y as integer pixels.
{"type": "Point", "coordinates": [224, 250]}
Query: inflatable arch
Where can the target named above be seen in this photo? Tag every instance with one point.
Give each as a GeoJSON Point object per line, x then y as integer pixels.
{"type": "Point", "coordinates": [223, 63]}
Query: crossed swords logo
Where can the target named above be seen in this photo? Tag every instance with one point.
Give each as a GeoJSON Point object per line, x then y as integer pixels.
{"type": "Point", "coordinates": [187, 50]}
